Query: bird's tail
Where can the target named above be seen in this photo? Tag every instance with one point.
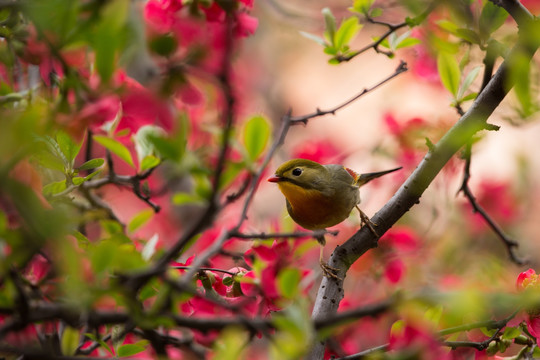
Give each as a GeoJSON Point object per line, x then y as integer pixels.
{"type": "Point", "coordinates": [367, 177]}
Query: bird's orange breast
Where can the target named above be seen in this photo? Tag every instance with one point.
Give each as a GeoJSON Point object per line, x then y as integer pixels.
{"type": "Point", "coordinates": [310, 208]}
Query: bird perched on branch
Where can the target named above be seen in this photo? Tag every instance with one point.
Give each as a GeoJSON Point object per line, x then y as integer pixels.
{"type": "Point", "coordinates": [319, 196]}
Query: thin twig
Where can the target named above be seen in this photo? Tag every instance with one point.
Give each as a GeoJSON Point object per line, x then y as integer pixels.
{"type": "Point", "coordinates": [510, 244]}
{"type": "Point", "coordinates": [402, 67]}
{"type": "Point", "coordinates": [264, 236]}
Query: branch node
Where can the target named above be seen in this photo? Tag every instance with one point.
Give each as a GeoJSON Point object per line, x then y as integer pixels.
{"type": "Point", "coordinates": [491, 127]}
{"type": "Point", "coordinates": [430, 145]}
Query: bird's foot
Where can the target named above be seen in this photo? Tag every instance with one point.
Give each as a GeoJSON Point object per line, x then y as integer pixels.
{"type": "Point", "coordinates": [365, 221]}
{"type": "Point", "coordinates": [328, 271]}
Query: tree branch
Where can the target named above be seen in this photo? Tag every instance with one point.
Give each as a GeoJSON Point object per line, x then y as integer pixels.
{"type": "Point", "coordinates": [510, 244]}
{"type": "Point", "coordinates": [475, 119]}
{"type": "Point", "coordinates": [402, 67]}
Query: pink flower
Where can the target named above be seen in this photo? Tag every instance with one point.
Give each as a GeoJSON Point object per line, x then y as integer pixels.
{"type": "Point", "coordinates": [35, 50]}
{"type": "Point", "coordinates": [245, 25]}
{"type": "Point", "coordinates": [526, 279]}
{"type": "Point", "coordinates": [320, 150]}
{"type": "Point", "coordinates": [425, 65]}
{"type": "Point", "coordinates": [38, 268]}
{"type": "Point", "coordinates": [401, 238]}
{"type": "Point", "coordinates": [142, 107]}
{"type": "Point", "coordinates": [529, 280]}
{"type": "Point", "coordinates": [161, 14]}
{"type": "Point", "coordinates": [93, 115]}
{"type": "Point", "coordinates": [275, 259]}
{"type": "Point", "coordinates": [394, 271]}
{"type": "Point", "coordinates": [415, 340]}
{"type": "Point", "coordinates": [497, 199]}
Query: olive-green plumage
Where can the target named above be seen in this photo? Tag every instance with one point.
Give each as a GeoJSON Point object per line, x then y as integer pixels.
{"type": "Point", "coordinates": [319, 196]}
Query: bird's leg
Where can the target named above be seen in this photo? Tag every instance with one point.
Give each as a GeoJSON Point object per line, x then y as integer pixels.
{"type": "Point", "coordinates": [328, 271]}
{"type": "Point", "coordinates": [364, 220]}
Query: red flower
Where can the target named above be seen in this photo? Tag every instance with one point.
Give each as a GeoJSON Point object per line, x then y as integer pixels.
{"type": "Point", "coordinates": [35, 50]}
{"type": "Point", "coordinates": [161, 14]}
{"type": "Point", "coordinates": [321, 151]}
{"type": "Point", "coordinates": [415, 340]}
{"type": "Point", "coordinates": [275, 259]}
{"type": "Point", "coordinates": [401, 238]}
{"type": "Point", "coordinates": [499, 202]}
{"type": "Point", "coordinates": [529, 280]}
{"type": "Point", "coordinates": [425, 65]}
{"type": "Point", "coordinates": [394, 271]}
{"type": "Point", "coordinates": [245, 25]}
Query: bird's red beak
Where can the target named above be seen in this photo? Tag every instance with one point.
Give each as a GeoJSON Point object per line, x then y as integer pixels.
{"type": "Point", "coordinates": [275, 179]}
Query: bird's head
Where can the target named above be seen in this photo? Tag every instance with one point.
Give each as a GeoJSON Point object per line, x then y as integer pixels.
{"type": "Point", "coordinates": [304, 173]}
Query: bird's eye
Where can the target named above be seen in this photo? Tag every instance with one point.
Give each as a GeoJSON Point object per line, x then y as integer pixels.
{"type": "Point", "coordinates": [297, 172]}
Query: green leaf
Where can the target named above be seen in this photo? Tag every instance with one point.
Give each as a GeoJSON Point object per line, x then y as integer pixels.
{"type": "Point", "coordinates": [319, 40]}
{"type": "Point", "coordinates": [3, 222]}
{"type": "Point", "coordinates": [467, 82]}
{"type": "Point", "coordinates": [520, 75]}
{"type": "Point", "coordinates": [140, 219]}
{"type": "Point", "coordinates": [231, 173]}
{"type": "Point", "coordinates": [102, 256]}
{"type": "Point", "coordinates": [148, 291]}
{"type": "Point", "coordinates": [362, 6]}
{"type": "Point", "coordinates": [91, 175]}
{"type": "Point", "coordinates": [468, 35]}
{"type": "Point", "coordinates": [347, 30]}
{"type": "Point", "coordinates": [447, 25]}
{"type": "Point", "coordinates": [132, 349]}
{"type": "Point", "coordinates": [255, 136]}
{"type": "Point", "coordinates": [108, 36]}
{"type": "Point", "coordinates": [468, 97]}
{"type": "Point", "coordinates": [111, 227]}
{"type": "Point", "coordinates": [78, 180]}
{"type": "Point", "coordinates": [149, 162]}
{"type": "Point", "coordinates": [434, 314]}
{"type": "Point", "coordinates": [169, 148]}
{"type": "Point", "coordinates": [410, 41]}
{"type": "Point", "coordinates": [511, 333]}
{"type": "Point", "coordinates": [288, 282]}
{"type": "Point", "coordinates": [54, 188]}
{"type": "Point", "coordinates": [182, 198]}
{"type": "Point", "coordinates": [58, 17]}
{"type": "Point", "coordinates": [330, 25]}
{"type": "Point", "coordinates": [144, 146]}
{"type": "Point", "coordinates": [70, 341]}
{"type": "Point", "coordinates": [50, 161]}
{"type": "Point", "coordinates": [82, 240]}
{"type": "Point", "coordinates": [488, 332]}
{"type": "Point", "coordinates": [69, 148]}
{"type": "Point", "coordinates": [294, 332]}
{"type": "Point", "coordinates": [231, 344]}
{"type": "Point", "coordinates": [330, 50]}
{"type": "Point", "coordinates": [375, 12]}
{"type": "Point", "coordinates": [116, 148]}
{"type": "Point", "coordinates": [102, 343]}
{"type": "Point", "coordinates": [491, 18]}
{"type": "Point", "coordinates": [163, 45]}
{"type": "Point", "coordinates": [443, 45]}
{"type": "Point", "coordinates": [449, 72]}
{"type": "Point", "coordinates": [91, 164]}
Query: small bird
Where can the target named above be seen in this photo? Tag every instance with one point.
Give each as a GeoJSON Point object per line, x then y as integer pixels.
{"type": "Point", "coordinates": [320, 196]}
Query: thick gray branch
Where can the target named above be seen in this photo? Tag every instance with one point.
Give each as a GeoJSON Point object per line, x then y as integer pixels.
{"type": "Point", "coordinates": [475, 119]}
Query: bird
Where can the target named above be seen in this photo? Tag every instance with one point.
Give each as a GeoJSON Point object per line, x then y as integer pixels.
{"type": "Point", "coordinates": [321, 196]}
